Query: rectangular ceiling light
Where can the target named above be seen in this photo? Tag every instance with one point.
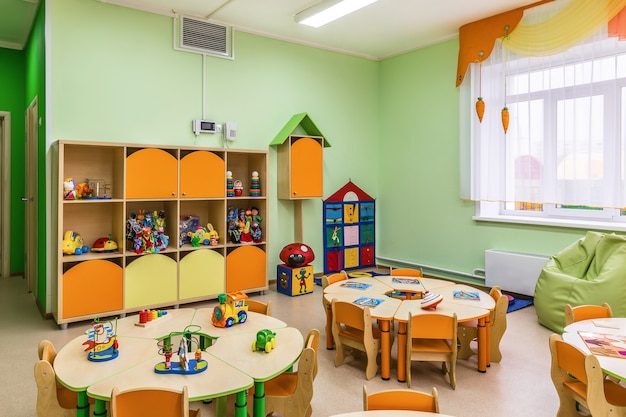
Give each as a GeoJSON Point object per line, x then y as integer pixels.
{"type": "Point", "coordinates": [329, 10]}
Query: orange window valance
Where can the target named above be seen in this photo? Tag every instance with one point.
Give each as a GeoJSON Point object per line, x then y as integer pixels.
{"type": "Point", "coordinates": [477, 39]}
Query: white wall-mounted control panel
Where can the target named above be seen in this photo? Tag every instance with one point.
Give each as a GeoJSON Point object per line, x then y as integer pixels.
{"type": "Point", "coordinates": [230, 131]}
{"type": "Point", "coordinates": [203, 126]}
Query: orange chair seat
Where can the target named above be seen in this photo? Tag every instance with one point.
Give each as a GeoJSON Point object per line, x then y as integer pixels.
{"type": "Point", "coordinates": [431, 345]}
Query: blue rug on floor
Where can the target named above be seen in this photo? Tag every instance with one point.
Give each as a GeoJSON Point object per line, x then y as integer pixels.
{"type": "Point", "coordinates": [518, 304]}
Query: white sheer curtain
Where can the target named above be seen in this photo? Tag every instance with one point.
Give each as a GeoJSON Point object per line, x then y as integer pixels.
{"type": "Point", "coordinates": [565, 144]}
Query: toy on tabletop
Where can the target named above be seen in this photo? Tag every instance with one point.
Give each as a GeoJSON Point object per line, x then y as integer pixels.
{"type": "Point", "coordinates": [238, 188]}
{"type": "Point", "coordinates": [102, 342]}
{"type": "Point", "coordinates": [297, 254]}
{"type": "Point", "coordinates": [255, 185]}
{"type": "Point", "coordinates": [184, 365]}
{"type": "Point", "coordinates": [213, 235]}
{"type": "Point", "coordinates": [73, 244]}
{"type": "Point", "coordinates": [147, 317]}
{"type": "Point", "coordinates": [230, 190]}
{"type": "Point", "coordinates": [69, 189]}
{"type": "Point", "coordinates": [265, 341]}
{"type": "Point", "coordinates": [104, 244]}
{"type": "Point", "coordinates": [232, 309]}
{"type": "Point", "coordinates": [431, 300]}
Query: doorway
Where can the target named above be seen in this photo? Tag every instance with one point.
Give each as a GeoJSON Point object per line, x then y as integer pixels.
{"type": "Point", "coordinates": [30, 199]}
{"type": "Point", "coordinates": [5, 193]}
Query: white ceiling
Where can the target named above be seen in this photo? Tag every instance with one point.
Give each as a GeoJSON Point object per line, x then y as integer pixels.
{"type": "Point", "coordinates": [381, 30]}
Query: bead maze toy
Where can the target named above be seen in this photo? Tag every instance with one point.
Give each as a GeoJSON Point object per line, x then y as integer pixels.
{"type": "Point", "coordinates": [102, 342]}
{"type": "Point", "coordinates": [184, 365]}
{"type": "Point", "coordinates": [148, 317]}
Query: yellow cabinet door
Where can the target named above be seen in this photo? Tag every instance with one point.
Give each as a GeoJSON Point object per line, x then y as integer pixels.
{"type": "Point", "coordinates": [150, 280]}
{"type": "Point", "coordinates": [201, 274]}
{"type": "Point", "coordinates": [202, 175]}
{"type": "Point", "coordinates": [151, 173]}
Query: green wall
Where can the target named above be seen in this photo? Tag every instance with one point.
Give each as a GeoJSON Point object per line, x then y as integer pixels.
{"type": "Point", "coordinates": [12, 86]}
{"type": "Point", "coordinates": [393, 125]}
{"type": "Point", "coordinates": [421, 217]}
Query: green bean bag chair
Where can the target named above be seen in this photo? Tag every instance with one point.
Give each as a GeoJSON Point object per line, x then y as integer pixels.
{"type": "Point", "coordinates": [592, 270]}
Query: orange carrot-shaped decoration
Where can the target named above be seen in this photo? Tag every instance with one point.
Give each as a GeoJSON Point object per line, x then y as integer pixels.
{"type": "Point", "coordinates": [480, 108]}
{"type": "Point", "coordinates": [505, 118]}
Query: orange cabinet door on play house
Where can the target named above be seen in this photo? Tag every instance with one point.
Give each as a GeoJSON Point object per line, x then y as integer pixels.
{"type": "Point", "coordinates": [202, 175]}
{"type": "Point", "coordinates": [152, 173]}
{"type": "Point", "coordinates": [306, 168]}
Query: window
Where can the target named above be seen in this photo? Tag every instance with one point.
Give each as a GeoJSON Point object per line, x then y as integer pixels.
{"type": "Point", "coordinates": [563, 158]}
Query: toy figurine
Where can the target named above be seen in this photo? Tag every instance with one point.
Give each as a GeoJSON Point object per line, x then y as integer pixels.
{"type": "Point", "coordinates": [303, 276]}
{"type": "Point", "coordinates": [238, 186]}
{"type": "Point", "coordinates": [233, 225]}
{"type": "Point", "coordinates": [213, 235]}
{"type": "Point", "coordinates": [83, 190]}
{"type": "Point", "coordinates": [168, 357]}
{"type": "Point", "coordinates": [245, 222]}
{"type": "Point", "coordinates": [198, 357]}
{"type": "Point", "coordinates": [69, 189]}
{"type": "Point", "coordinates": [182, 354]}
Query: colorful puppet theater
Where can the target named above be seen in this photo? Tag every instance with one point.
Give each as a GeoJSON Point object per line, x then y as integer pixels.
{"type": "Point", "coordinates": [592, 270]}
{"type": "Point", "coordinates": [349, 230]}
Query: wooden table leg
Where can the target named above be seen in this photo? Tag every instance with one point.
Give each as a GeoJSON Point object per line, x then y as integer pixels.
{"type": "Point", "coordinates": [385, 348]}
{"type": "Point", "coordinates": [482, 345]}
{"type": "Point", "coordinates": [402, 326]}
{"type": "Point", "coordinates": [330, 343]}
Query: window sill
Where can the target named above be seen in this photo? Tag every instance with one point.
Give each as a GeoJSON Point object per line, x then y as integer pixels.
{"type": "Point", "coordinates": [569, 223]}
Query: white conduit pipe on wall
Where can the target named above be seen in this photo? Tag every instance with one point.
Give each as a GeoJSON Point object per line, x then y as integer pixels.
{"type": "Point", "coordinates": [477, 273]}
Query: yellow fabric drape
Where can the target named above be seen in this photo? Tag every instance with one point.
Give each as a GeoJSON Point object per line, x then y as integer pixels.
{"type": "Point", "coordinates": [575, 22]}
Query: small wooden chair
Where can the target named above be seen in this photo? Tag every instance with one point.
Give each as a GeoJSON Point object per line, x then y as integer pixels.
{"type": "Point", "coordinates": [401, 399]}
{"type": "Point", "coordinates": [406, 272]}
{"type": "Point", "coordinates": [352, 327]}
{"type": "Point", "coordinates": [586, 312]}
{"type": "Point", "coordinates": [468, 331]}
{"type": "Point", "coordinates": [53, 399]}
{"type": "Point", "coordinates": [432, 337]}
{"type": "Point", "coordinates": [332, 278]}
{"type": "Point", "coordinates": [290, 393]}
{"type": "Point", "coordinates": [150, 402]}
{"type": "Point", "coordinates": [260, 307]}
{"type": "Point", "coordinates": [326, 281]}
{"type": "Point", "coordinates": [578, 379]}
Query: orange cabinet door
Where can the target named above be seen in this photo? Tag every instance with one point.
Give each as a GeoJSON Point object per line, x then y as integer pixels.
{"type": "Point", "coordinates": [246, 268]}
{"type": "Point", "coordinates": [151, 173]}
{"type": "Point", "coordinates": [92, 287]}
{"type": "Point", "coordinates": [202, 175]}
{"type": "Point", "coordinates": [306, 168]}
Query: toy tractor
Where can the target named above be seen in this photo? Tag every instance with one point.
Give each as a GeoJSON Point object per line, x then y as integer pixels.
{"type": "Point", "coordinates": [265, 340]}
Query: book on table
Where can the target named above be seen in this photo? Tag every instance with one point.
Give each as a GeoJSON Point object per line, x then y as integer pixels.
{"type": "Point", "coordinates": [466, 295]}
{"type": "Point", "coordinates": [368, 301]}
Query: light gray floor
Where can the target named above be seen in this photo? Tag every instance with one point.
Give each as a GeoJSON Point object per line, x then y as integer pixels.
{"type": "Point", "coordinates": [518, 386]}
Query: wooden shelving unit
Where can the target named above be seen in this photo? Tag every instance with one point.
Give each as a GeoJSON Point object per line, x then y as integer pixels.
{"type": "Point", "coordinates": [177, 181]}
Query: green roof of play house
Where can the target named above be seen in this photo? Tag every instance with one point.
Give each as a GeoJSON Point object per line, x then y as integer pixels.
{"type": "Point", "coordinates": [303, 120]}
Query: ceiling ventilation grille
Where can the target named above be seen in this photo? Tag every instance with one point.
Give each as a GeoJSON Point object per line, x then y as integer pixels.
{"type": "Point", "coordinates": [206, 38]}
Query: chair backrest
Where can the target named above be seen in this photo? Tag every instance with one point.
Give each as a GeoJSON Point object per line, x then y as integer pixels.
{"type": "Point", "coordinates": [52, 397]}
{"type": "Point", "coordinates": [401, 399]}
{"type": "Point", "coordinates": [348, 317]}
{"type": "Point", "coordinates": [568, 373]}
{"type": "Point", "coordinates": [406, 272]}
{"type": "Point", "coordinates": [586, 312]}
{"type": "Point", "coordinates": [148, 402]}
{"type": "Point", "coordinates": [604, 396]}
{"type": "Point", "coordinates": [260, 307]}
{"type": "Point", "coordinates": [332, 278]}
{"type": "Point", "coordinates": [432, 326]}
{"type": "Point", "coordinates": [46, 351]}
{"type": "Point", "coordinates": [313, 341]}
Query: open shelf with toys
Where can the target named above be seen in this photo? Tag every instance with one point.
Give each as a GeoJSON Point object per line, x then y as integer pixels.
{"type": "Point", "coordinates": [164, 238]}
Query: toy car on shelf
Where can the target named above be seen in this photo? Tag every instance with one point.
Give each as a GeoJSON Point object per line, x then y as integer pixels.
{"type": "Point", "coordinates": [104, 244]}
{"type": "Point", "coordinates": [73, 244]}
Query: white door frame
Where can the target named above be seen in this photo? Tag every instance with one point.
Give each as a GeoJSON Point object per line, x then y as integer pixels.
{"type": "Point", "coordinates": [31, 199]}
{"type": "Point", "coordinates": [5, 194]}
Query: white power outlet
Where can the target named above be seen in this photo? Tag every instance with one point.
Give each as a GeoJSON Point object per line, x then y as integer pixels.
{"type": "Point", "coordinates": [218, 128]}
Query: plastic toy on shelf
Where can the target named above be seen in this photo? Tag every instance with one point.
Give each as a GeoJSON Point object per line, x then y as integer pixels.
{"type": "Point", "coordinates": [104, 244]}
{"type": "Point", "coordinates": [73, 244]}
{"type": "Point", "coordinates": [230, 190]}
{"type": "Point", "coordinates": [146, 231]}
{"type": "Point", "coordinates": [102, 341]}
{"type": "Point", "coordinates": [255, 185]}
{"type": "Point", "coordinates": [231, 310]}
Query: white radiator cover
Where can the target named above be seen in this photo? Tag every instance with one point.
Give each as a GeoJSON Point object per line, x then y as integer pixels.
{"type": "Point", "coordinates": [513, 271]}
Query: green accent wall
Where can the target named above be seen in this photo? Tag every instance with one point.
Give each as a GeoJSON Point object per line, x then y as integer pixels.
{"type": "Point", "coordinates": [115, 77]}
{"type": "Point", "coordinates": [12, 100]}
